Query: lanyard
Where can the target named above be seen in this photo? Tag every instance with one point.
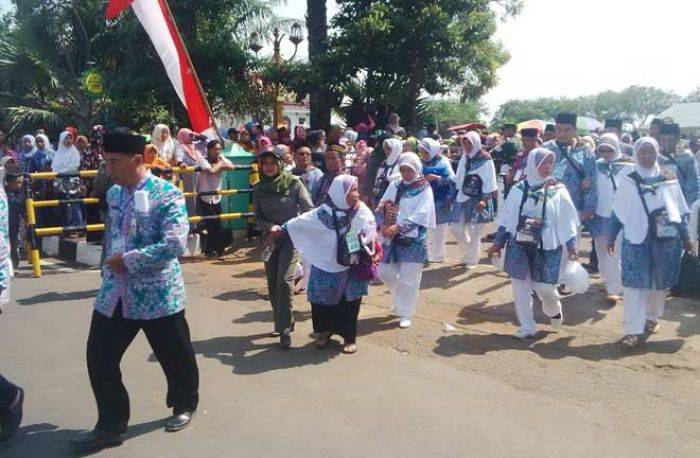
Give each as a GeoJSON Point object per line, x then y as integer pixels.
{"type": "Point", "coordinates": [123, 206]}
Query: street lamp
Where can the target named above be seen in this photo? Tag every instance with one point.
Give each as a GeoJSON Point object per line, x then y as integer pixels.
{"type": "Point", "coordinates": [296, 36]}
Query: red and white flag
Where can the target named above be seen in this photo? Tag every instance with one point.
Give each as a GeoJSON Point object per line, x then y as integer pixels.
{"type": "Point", "coordinates": [156, 19]}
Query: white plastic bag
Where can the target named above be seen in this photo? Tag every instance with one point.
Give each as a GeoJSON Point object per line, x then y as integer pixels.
{"type": "Point", "coordinates": [575, 278]}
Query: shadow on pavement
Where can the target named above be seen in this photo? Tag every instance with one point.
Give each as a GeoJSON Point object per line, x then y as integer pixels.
{"type": "Point", "coordinates": [48, 440]}
{"type": "Point", "coordinates": [247, 356]}
{"type": "Point", "coordinates": [58, 297]}
{"type": "Point", "coordinates": [265, 316]}
{"type": "Point", "coordinates": [476, 344]}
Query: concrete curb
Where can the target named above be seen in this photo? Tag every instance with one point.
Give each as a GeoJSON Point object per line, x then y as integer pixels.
{"type": "Point", "coordinates": [89, 254]}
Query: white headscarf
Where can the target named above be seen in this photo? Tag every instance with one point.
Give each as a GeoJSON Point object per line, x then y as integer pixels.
{"type": "Point", "coordinates": [316, 242]}
{"type": "Point", "coordinates": [47, 146]}
{"type": "Point", "coordinates": [475, 139]}
{"type": "Point", "coordinates": [562, 220]}
{"type": "Point", "coordinates": [396, 150]}
{"type": "Point", "coordinates": [339, 189]}
{"type": "Point", "coordinates": [655, 171]}
{"type": "Point", "coordinates": [417, 209]}
{"type": "Point", "coordinates": [432, 147]}
{"type": "Point", "coordinates": [536, 157]}
{"type": "Point", "coordinates": [166, 149]}
{"type": "Point", "coordinates": [411, 161]}
{"type": "Point", "coordinates": [66, 159]}
{"type": "Point", "coordinates": [611, 140]}
{"type": "Point", "coordinates": [628, 205]}
{"type": "Point", "coordinates": [487, 171]}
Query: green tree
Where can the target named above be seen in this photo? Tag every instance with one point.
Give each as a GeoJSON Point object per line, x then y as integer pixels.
{"type": "Point", "coordinates": [449, 112]}
{"type": "Point", "coordinates": [694, 96]}
{"type": "Point", "coordinates": [412, 48]}
{"type": "Point", "coordinates": [52, 43]}
{"type": "Point", "coordinates": [632, 105]}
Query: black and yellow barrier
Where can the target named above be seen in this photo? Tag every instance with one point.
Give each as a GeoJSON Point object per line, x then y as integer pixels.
{"type": "Point", "coordinates": [33, 232]}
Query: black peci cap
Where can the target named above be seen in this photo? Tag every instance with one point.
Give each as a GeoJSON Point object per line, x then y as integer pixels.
{"type": "Point", "coordinates": [613, 123]}
{"type": "Point", "coordinates": [670, 129]}
{"type": "Point", "coordinates": [529, 133]}
{"type": "Point", "coordinates": [510, 125]}
{"type": "Point", "coordinates": [124, 143]}
{"type": "Point", "coordinates": [549, 128]}
{"type": "Point", "coordinates": [567, 118]}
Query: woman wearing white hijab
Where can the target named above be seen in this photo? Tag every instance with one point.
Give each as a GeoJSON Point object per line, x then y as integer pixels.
{"type": "Point", "coordinates": [335, 291]}
{"type": "Point", "coordinates": [67, 160]}
{"type": "Point", "coordinates": [163, 140]}
{"type": "Point", "coordinates": [476, 187]}
{"type": "Point", "coordinates": [611, 168]}
{"type": "Point", "coordinates": [405, 214]}
{"type": "Point", "coordinates": [388, 171]}
{"type": "Point", "coordinates": [650, 207]}
{"type": "Point", "coordinates": [537, 220]}
{"type": "Point", "coordinates": [437, 170]}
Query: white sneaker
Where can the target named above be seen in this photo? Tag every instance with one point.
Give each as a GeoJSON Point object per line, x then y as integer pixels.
{"type": "Point", "coordinates": [403, 324]}
{"type": "Point", "coordinates": [521, 334]}
{"type": "Point", "coordinates": [557, 322]}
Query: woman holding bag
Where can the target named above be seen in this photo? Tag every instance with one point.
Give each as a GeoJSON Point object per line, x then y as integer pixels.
{"type": "Point", "coordinates": [650, 207]}
{"type": "Point", "coordinates": [405, 214]}
{"type": "Point", "coordinates": [476, 187]}
{"type": "Point", "coordinates": [537, 220]}
{"type": "Point", "coordinates": [337, 240]}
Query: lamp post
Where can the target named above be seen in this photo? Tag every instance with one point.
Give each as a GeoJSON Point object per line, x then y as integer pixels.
{"type": "Point", "coordinates": [296, 37]}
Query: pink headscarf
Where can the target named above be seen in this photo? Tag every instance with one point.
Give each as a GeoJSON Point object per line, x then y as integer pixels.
{"type": "Point", "coordinates": [184, 138]}
{"type": "Point", "coordinates": [263, 144]}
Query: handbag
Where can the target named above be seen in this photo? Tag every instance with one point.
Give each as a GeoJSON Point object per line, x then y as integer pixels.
{"type": "Point", "coordinates": [343, 255]}
{"type": "Point", "coordinates": [659, 225]}
{"type": "Point", "coordinates": [529, 230]}
{"type": "Point", "coordinates": [472, 186]}
{"type": "Point", "coordinates": [689, 279]}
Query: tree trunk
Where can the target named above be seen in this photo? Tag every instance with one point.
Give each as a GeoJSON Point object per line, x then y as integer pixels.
{"type": "Point", "coordinates": [414, 88]}
{"type": "Point", "coordinates": [320, 96]}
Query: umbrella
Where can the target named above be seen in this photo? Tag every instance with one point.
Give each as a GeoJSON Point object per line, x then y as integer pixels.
{"type": "Point", "coordinates": [533, 124]}
{"type": "Point", "coordinates": [586, 125]}
{"type": "Point", "coordinates": [467, 127]}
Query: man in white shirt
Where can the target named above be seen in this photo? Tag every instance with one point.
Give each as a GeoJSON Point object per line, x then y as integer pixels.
{"type": "Point", "coordinates": [209, 182]}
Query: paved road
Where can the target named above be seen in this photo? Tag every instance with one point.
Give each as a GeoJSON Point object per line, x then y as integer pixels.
{"type": "Point", "coordinates": [257, 400]}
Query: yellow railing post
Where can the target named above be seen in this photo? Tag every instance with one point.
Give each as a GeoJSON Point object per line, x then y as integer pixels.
{"type": "Point", "coordinates": [34, 258]}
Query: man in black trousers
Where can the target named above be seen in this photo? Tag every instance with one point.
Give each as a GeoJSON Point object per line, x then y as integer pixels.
{"type": "Point", "coordinates": [142, 289]}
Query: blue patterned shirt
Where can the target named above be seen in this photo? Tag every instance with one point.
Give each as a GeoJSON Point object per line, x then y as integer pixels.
{"type": "Point", "coordinates": [580, 165]}
{"type": "Point", "coordinates": [153, 286]}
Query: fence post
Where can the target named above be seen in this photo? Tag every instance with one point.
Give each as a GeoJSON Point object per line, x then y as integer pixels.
{"type": "Point", "coordinates": [32, 242]}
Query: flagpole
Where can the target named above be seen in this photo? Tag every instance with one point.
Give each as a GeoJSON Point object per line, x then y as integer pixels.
{"type": "Point", "coordinates": [171, 18]}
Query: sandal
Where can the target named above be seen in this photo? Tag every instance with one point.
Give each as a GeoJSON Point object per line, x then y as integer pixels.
{"type": "Point", "coordinates": [323, 340]}
{"type": "Point", "coordinates": [629, 342]}
{"type": "Point", "coordinates": [652, 327]}
{"type": "Point", "coordinates": [349, 349]}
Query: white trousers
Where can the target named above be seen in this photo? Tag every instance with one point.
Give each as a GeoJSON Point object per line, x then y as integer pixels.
{"type": "Point", "coordinates": [403, 280]}
{"type": "Point", "coordinates": [641, 305]}
{"type": "Point", "coordinates": [468, 236]}
{"type": "Point", "coordinates": [609, 266]}
{"type": "Point", "coordinates": [436, 243]}
{"type": "Point", "coordinates": [522, 298]}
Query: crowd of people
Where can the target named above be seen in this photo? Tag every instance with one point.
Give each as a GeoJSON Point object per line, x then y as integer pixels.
{"type": "Point", "coordinates": [343, 209]}
{"type": "Point", "coordinates": [382, 203]}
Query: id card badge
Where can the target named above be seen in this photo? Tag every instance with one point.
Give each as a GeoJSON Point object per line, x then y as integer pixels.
{"type": "Point", "coordinates": [118, 246]}
{"type": "Point", "coordinates": [353, 242]}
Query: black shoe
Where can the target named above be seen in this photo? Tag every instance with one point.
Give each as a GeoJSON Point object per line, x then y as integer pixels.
{"type": "Point", "coordinates": [97, 440]}
{"type": "Point", "coordinates": [178, 422]}
{"type": "Point", "coordinates": [285, 341]}
{"type": "Point", "coordinates": [10, 421]}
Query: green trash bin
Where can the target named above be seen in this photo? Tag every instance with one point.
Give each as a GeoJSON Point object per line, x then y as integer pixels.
{"type": "Point", "coordinates": [237, 179]}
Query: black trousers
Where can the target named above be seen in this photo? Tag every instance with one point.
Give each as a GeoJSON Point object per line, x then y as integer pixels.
{"type": "Point", "coordinates": [338, 319]}
{"type": "Point", "coordinates": [169, 338]}
{"type": "Point", "coordinates": [8, 394]}
{"type": "Point", "coordinates": [213, 243]}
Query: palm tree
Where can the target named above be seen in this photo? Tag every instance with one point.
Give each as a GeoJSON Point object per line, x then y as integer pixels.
{"type": "Point", "coordinates": [320, 96]}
